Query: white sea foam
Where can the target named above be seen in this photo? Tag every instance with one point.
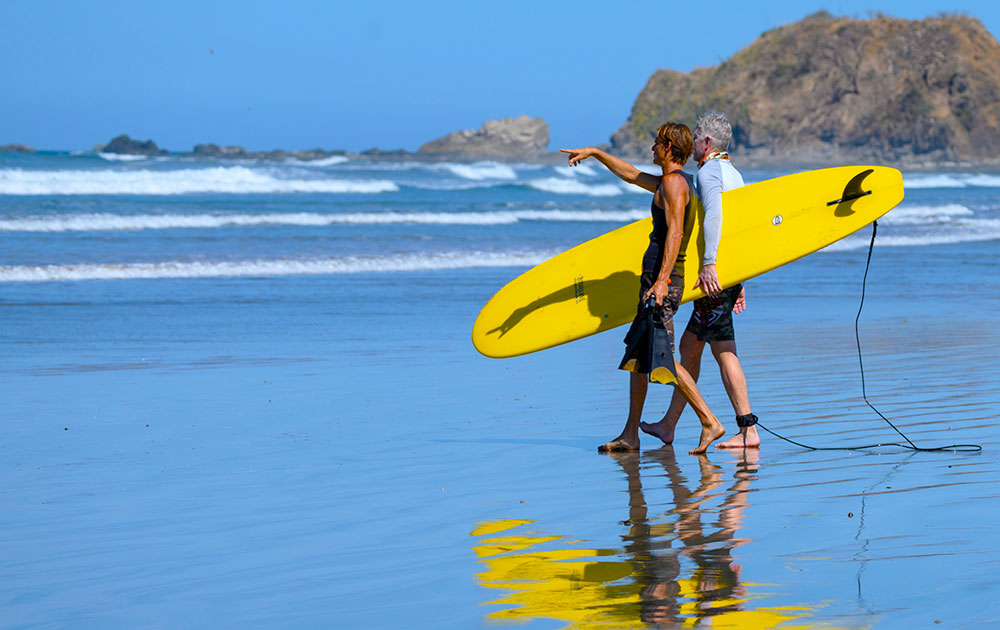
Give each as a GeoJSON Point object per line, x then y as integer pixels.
{"type": "Point", "coordinates": [574, 187]}
{"type": "Point", "coordinates": [122, 157]}
{"type": "Point", "coordinates": [925, 215]}
{"type": "Point", "coordinates": [984, 181]}
{"type": "Point", "coordinates": [968, 231]}
{"type": "Point", "coordinates": [479, 170]}
{"type": "Point", "coordinates": [951, 180]}
{"type": "Point", "coordinates": [230, 179]}
{"type": "Point", "coordinates": [453, 185]}
{"type": "Point", "coordinates": [103, 222]}
{"type": "Point", "coordinates": [333, 160]}
{"type": "Point", "coordinates": [572, 171]}
{"type": "Point", "coordinates": [223, 269]}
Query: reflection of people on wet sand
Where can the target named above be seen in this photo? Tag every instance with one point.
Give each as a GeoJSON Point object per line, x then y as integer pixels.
{"type": "Point", "coordinates": [662, 280]}
{"type": "Point", "coordinates": [714, 586]}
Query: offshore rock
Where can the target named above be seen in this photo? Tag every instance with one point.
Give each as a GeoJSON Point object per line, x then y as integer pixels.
{"type": "Point", "coordinates": [828, 89]}
{"type": "Point", "coordinates": [237, 152]}
{"type": "Point", "coordinates": [375, 153]}
{"type": "Point", "coordinates": [215, 151]}
{"type": "Point", "coordinates": [505, 139]}
{"type": "Point", "coordinates": [16, 148]}
{"type": "Point", "coordinates": [124, 145]}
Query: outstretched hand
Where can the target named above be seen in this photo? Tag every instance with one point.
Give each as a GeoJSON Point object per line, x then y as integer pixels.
{"type": "Point", "coordinates": [708, 280]}
{"type": "Point", "coordinates": [578, 155]}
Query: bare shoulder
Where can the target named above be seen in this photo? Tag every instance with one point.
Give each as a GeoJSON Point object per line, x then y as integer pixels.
{"type": "Point", "coordinates": [675, 184]}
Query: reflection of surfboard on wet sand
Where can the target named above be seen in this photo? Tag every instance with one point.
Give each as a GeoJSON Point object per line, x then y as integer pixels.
{"type": "Point", "coordinates": [594, 286]}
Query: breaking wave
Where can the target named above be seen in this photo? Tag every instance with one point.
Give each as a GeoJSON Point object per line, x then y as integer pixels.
{"type": "Point", "coordinates": [965, 231]}
{"type": "Point", "coordinates": [924, 215]}
{"type": "Point", "coordinates": [258, 268]}
{"type": "Point", "coordinates": [575, 187]}
{"type": "Point", "coordinates": [231, 180]}
{"type": "Point", "coordinates": [952, 180]}
{"type": "Point", "coordinates": [102, 222]}
{"type": "Point", "coordinates": [478, 171]}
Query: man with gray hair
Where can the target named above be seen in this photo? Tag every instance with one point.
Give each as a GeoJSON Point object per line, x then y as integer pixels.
{"type": "Point", "coordinates": [712, 318]}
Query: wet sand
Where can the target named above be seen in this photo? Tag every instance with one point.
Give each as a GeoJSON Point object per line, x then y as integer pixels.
{"type": "Point", "coordinates": [283, 464]}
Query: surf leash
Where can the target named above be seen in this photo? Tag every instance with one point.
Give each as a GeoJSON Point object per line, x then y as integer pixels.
{"type": "Point", "coordinates": [909, 445]}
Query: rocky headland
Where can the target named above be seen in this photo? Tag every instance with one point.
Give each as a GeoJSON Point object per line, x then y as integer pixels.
{"type": "Point", "coordinates": [831, 89]}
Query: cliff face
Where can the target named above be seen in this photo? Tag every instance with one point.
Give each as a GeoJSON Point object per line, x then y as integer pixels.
{"type": "Point", "coordinates": [829, 89]}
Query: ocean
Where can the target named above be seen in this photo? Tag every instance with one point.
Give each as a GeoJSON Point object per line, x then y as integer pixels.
{"type": "Point", "coordinates": [243, 394]}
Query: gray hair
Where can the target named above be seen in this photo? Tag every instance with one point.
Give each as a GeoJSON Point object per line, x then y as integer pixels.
{"type": "Point", "coordinates": [716, 126]}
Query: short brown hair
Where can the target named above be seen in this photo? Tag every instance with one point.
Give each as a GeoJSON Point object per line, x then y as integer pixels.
{"type": "Point", "coordinates": [680, 139]}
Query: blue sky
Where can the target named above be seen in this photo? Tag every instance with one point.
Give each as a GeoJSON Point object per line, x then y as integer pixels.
{"type": "Point", "coordinates": [353, 75]}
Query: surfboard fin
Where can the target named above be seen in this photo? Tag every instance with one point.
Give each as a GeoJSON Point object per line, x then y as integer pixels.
{"type": "Point", "coordinates": [851, 192]}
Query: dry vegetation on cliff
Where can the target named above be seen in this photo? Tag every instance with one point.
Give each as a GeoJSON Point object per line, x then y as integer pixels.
{"type": "Point", "coordinates": [826, 89]}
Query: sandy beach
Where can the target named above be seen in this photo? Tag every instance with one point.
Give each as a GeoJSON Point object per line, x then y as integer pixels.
{"type": "Point", "coordinates": [243, 247]}
{"type": "Point", "coordinates": [168, 463]}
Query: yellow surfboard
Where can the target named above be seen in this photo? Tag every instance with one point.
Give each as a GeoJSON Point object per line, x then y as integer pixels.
{"type": "Point", "coordinates": [595, 286]}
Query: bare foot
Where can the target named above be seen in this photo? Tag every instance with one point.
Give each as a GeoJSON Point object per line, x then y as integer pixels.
{"type": "Point", "coordinates": [619, 444]}
{"type": "Point", "coordinates": [709, 434]}
{"type": "Point", "coordinates": [746, 438]}
{"type": "Point", "coordinates": [662, 429]}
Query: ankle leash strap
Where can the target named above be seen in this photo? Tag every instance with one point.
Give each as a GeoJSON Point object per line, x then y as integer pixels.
{"type": "Point", "coordinates": [746, 421]}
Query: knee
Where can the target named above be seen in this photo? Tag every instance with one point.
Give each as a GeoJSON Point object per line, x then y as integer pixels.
{"type": "Point", "coordinates": [722, 348]}
{"type": "Point", "coordinates": [691, 348]}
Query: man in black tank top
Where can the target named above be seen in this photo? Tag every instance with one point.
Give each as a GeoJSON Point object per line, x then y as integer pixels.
{"type": "Point", "coordinates": [650, 339]}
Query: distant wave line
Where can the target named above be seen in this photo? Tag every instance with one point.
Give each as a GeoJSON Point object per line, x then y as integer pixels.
{"type": "Point", "coordinates": [256, 268]}
{"type": "Point", "coordinates": [951, 180]}
{"type": "Point", "coordinates": [100, 222]}
{"type": "Point", "coordinates": [926, 215]}
{"type": "Point", "coordinates": [954, 214]}
{"type": "Point", "coordinates": [968, 232]}
{"type": "Point", "coordinates": [276, 180]}
{"type": "Point", "coordinates": [230, 180]}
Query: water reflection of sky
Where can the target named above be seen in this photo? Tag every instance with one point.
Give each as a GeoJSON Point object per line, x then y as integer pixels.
{"type": "Point", "coordinates": [674, 566]}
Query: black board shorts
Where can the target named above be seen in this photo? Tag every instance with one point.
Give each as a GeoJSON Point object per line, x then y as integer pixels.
{"type": "Point", "coordinates": [712, 317]}
{"type": "Point", "coordinates": [649, 342]}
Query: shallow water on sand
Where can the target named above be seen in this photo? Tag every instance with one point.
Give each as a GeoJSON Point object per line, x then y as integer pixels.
{"type": "Point", "coordinates": [331, 452]}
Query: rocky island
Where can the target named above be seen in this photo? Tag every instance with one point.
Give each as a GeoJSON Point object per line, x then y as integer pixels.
{"type": "Point", "coordinates": [16, 148]}
{"type": "Point", "coordinates": [521, 138]}
{"type": "Point", "coordinates": [124, 145]}
{"type": "Point", "coordinates": [507, 139]}
{"type": "Point", "coordinates": [831, 89]}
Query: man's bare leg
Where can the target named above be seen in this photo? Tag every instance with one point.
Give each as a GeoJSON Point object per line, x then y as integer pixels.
{"type": "Point", "coordinates": [691, 350]}
{"type": "Point", "coordinates": [629, 438]}
{"type": "Point", "coordinates": [711, 428]}
{"type": "Point", "coordinates": [735, 383]}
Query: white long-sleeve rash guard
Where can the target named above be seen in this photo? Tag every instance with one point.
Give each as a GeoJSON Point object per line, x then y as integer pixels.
{"type": "Point", "coordinates": [714, 178]}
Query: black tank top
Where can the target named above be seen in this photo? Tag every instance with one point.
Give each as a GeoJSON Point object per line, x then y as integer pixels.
{"type": "Point", "coordinates": [652, 260]}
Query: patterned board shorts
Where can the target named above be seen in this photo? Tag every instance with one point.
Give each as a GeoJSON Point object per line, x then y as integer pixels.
{"type": "Point", "coordinates": [712, 318]}
{"type": "Point", "coordinates": [649, 342]}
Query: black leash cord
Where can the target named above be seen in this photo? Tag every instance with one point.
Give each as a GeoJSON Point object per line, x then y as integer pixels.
{"type": "Point", "coordinates": [857, 336]}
